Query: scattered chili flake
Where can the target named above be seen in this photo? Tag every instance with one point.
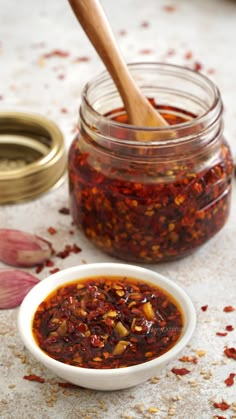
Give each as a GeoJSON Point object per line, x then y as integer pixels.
{"type": "Point", "coordinates": [145, 51]}
{"type": "Point", "coordinates": [223, 405]}
{"type": "Point", "coordinates": [230, 353]}
{"type": "Point", "coordinates": [39, 268]}
{"type": "Point", "coordinates": [180, 371]}
{"type": "Point", "coordinates": [49, 263]}
{"type": "Point", "coordinates": [71, 232]}
{"type": "Point", "coordinates": [52, 230]}
{"type": "Point", "coordinates": [33, 377]}
{"type": "Point", "coordinates": [211, 71]}
{"type": "Point", "coordinates": [68, 249]}
{"type": "Point", "coordinates": [229, 328]}
{"type": "Point", "coordinates": [122, 32]}
{"type": "Point", "coordinates": [221, 333]}
{"type": "Point", "coordinates": [56, 53]}
{"type": "Point", "coordinates": [83, 59]}
{"type": "Point", "coordinates": [64, 110]}
{"type": "Point", "coordinates": [169, 9]}
{"type": "Point", "coordinates": [188, 55]}
{"type": "Point", "coordinates": [170, 52]}
{"type": "Point", "coordinates": [204, 308]}
{"type": "Point", "coordinates": [75, 248]}
{"type": "Point", "coordinates": [61, 76]}
{"type": "Point", "coordinates": [63, 254]}
{"type": "Point", "coordinates": [145, 24]}
{"type": "Point", "coordinates": [230, 380]}
{"type": "Point", "coordinates": [228, 309]}
{"type": "Point", "coordinates": [53, 271]}
{"type": "Point", "coordinates": [1, 97]}
{"type": "Point", "coordinates": [219, 417]}
{"type": "Point", "coordinates": [197, 66]}
{"type": "Point", "coordinates": [64, 210]}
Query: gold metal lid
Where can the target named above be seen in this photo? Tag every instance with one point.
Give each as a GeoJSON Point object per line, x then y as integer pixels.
{"type": "Point", "coordinates": [32, 156]}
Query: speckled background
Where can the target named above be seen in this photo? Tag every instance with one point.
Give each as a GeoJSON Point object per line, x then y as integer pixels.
{"type": "Point", "coordinates": [194, 33]}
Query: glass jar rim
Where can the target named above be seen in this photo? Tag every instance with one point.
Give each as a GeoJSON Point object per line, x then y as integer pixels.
{"type": "Point", "coordinates": [211, 113]}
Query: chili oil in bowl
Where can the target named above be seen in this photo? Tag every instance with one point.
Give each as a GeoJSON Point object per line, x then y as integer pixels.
{"type": "Point", "coordinates": [106, 326]}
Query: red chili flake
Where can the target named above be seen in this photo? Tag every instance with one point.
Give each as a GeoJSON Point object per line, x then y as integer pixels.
{"type": "Point", "coordinates": [197, 66]}
{"type": "Point", "coordinates": [64, 110]}
{"type": "Point", "coordinates": [170, 52]}
{"type": "Point", "coordinates": [221, 334]}
{"type": "Point", "coordinates": [169, 9]}
{"type": "Point", "coordinates": [188, 55]}
{"type": "Point", "coordinates": [223, 405]}
{"type": "Point", "coordinates": [96, 341]}
{"type": "Point", "coordinates": [180, 371]}
{"type": "Point", "coordinates": [76, 249]}
{"type": "Point", "coordinates": [211, 71]}
{"type": "Point", "coordinates": [228, 309]}
{"type": "Point", "coordinates": [204, 308]}
{"type": "Point", "coordinates": [1, 97]}
{"type": "Point", "coordinates": [53, 271]}
{"type": "Point", "coordinates": [67, 250]}
{"type": "Point", "coordinates": [50, 263]}
{"type": "Point", "coordinates": [63, 254]}
{"type": "Point", "coordinates": [81, 59]}
{"type": "Point", "coordinates": [229, 328]}
{"type": "Point", "coordinates": [64, 210]}
{"type": "Point", "coordinates": [71, 232]}
{"type": "Point", "coordinates": [145, 51]}
{"type": "Point", "coordinates": [67, 385]}
{"type": "Point", "coordinates": [230, 353]}
{"type": "Point", "coordinates": [61, 76]}
{"type": "Point", "coordinates": [56, 53]}
{"type": "Point", "coordinates": [230, 380]}
{"type": "Point", "coordinates": [39, 269]}
{"type": "Point", "coordinates": [122, 32]}
{"type": "Point", "coordinates": [52, 230]}
{"type": "Point", "coordinates": [145, 24]}
{"type": "Point", "coordinates": [219, 417]}
{"type": "Point", "coordinates": [33, 377]}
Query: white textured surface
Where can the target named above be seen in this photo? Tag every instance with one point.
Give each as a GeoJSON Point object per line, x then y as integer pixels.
{"type": "Point", "coordinates": [27, 82]}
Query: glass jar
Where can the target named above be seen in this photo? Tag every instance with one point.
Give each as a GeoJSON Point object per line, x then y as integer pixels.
{"type": "Point", "coordinates": [151, 201]}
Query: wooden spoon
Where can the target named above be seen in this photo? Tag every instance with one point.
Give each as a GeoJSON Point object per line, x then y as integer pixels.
{"type": "Point", "coordinates": [95, 24]}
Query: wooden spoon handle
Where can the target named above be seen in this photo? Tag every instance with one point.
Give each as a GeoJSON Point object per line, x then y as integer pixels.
{"type": "Point", "coordinates": [93, 20]}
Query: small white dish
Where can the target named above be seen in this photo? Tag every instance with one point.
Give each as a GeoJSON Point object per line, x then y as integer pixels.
{"type": "Point", "coordinates": [104, 379]}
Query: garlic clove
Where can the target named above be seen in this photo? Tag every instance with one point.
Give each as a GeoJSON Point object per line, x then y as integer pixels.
{"type": "Point", "coordinates": [22, 249]}
{"type": "Point", "coordinates": [14, 285]}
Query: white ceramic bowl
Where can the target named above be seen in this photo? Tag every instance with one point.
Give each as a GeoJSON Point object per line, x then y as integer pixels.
{"type": "Point", "coordinates": [108, 379]}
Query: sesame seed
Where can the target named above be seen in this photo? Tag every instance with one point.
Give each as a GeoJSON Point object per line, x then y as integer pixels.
{"type": "Point", "coordinates": [201, 352]}
{"type": "Point", "coordinates": [153, 409]}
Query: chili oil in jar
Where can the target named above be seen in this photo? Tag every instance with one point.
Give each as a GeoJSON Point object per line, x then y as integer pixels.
{"type": "Point", "coordinates": [151, 201]}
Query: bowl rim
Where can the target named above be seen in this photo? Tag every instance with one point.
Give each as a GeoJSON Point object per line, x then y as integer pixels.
{"type": "Point", "coordinates": [26, 313]}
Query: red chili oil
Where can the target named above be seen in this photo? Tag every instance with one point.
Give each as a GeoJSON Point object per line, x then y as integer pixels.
{"type": "Point", "coordinates": [107, 322]}
{"type": "Point", "coordinates": [150, 221]}
{"type": "Point", "coordinates": [155, 202]}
